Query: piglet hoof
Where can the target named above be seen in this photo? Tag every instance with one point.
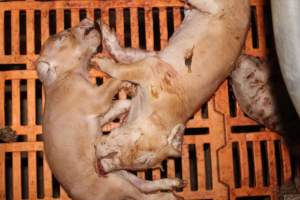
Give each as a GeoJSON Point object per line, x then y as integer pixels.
{"type": "Point", "coordinates": [102, 63]}
{"type": "Point", "coordinates": [129, 88]}
{"type": "Point", "coordinates": [183, 183]}
{"type": "Point", "coordinates": [93, 61]}
{"type": "Point", "coordinates": [180, 184]}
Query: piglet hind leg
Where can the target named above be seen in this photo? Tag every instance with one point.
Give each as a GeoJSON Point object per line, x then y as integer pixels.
{"type": "Point", "coordinates": [153, 186]}
{"type": "Point", "coordinates": [118, 108]}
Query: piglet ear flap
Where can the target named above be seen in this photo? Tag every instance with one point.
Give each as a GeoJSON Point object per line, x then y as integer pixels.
{"type": "Point", "coordinates": [176, 137]}
{"type": "Point", "coordinates": [46, 72]}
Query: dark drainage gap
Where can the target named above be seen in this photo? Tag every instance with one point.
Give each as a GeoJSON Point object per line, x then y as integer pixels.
{"type": "Point", "coordinates": [8, 176]}
{"type": "Point", "coordinates": [37, 31]}
{"type": "Point", "coordinates": [178, 171]}
{"type": "Point", "coordinates": [254, 30]}
{"type": "Point", "coordinates": [268, 25]}
{"type": "Point", "coordinates": [40, 174]}
{"type": "Point", "coordinates": [22, 138]}
{"type": "Point", "coordinates": [112, 18]}
{"type": "Point", "coordinates": [55, 188]}
{"type": "Point", "coordinates": [67, 18]}
{"type": "Point", "coordinates": [127, 30]}
{"type": "Point", "coordinates": [170, 21]}
{"type": "Point", "coordinates": [142, 28]}
{"type": "Point", "coordinates": [251, 166]}
{"type": "Point", "coordinates": [164, 171]}
{"type": "Point", "coordinates": [8, 103]}
{"type": "Point", "coordinates": [40, 137]}
{"type": "Point", "coordinates": [265, 164]}
{"type": "Point", "coordinates": [82, 14]}
{"type": "Point", "coordinates": [232, 101]}
{"type": "Point", "coordinates": [97, 14]}
{"type": "Point", "coordinates": [193, 167]}
{"type": "Point", "coordinates": [24, 175]}
{"type": "Point", "coordinates": [246, 129]}
{"type": "Point", "coordinates": [22, 26]}
{"type": "Point", "coordinates": [204, 111]}
{"type": "Point", "coordinates": [208, 168]}
{"type": "Point", "coordinates": [38, 102]}
{"type": "Point", "coordinates": [12, 67]}
{"type": "Point", "coordinates": [52, 22]}
{"type": "Point", "coordinates": [236, 164]}
{"type": "Point", "coordinates": [23, 102]}
{"type": "Point", "coordinates": [279, 166]}
{"type": "Point", "coordinates": [196, 131]}
{"type": "Point", "coordinates": [7, 33]}
{"type": "Point", "coordinates": [156, 28]}
{"type": "Point", "coordinates": [148, 174]}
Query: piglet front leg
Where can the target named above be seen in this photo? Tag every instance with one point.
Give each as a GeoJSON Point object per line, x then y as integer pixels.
{"type": "Point", "coordinates": [137, 72]}
{"type": "Point", "coordinates": [120, 54]}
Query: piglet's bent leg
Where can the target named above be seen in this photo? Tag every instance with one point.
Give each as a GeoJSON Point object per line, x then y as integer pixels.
{"type": "Point", "coordinates": [152, 186]}
{"type": "Point", "coordinates": [118, 108]}
{"type": "Point", "coordinates": [122, 55]}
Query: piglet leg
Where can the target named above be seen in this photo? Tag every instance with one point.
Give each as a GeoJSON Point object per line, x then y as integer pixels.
{"type": "Point", "coordinates": [118, 108]}
{"type": "Point", "coordinates": [152, 186]}
{"type": "Point", "coordinates": [122, 55]}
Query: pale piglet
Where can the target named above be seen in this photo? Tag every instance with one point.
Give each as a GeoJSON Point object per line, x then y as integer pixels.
{"type": "Point", "coordinates": [74, 113]}
{"type": "Point", "coordinates": [171, 84]}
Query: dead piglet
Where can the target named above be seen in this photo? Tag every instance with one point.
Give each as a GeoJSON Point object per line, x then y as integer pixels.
{"type": "Point", "coordinates": [74, 111]}
{"type": "Point", "coordinates": [171, 84]}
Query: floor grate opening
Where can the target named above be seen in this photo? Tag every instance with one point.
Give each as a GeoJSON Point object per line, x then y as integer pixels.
{"type": "Point", "coordinates": [142, 28]}
{"type": "Point", "coordinates": [52, 22]}
{"type": "Point", "coordinates": [193, 167]}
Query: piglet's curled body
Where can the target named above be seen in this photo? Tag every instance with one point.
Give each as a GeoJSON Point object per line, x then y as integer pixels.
{"type": "Point", "coordinates": [173, 83]}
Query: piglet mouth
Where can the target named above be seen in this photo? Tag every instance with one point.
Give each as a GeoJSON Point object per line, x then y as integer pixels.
{"type": "Point", "coordinates": [99, 168]}
{"type": "Point", "coordinates": [102, 172]}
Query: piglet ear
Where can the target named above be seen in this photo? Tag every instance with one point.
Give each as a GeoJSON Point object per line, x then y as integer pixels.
{"type": "Point", "coordinates": [176, 137]}
{"type": "Point", "coordinates": [46, 72]}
